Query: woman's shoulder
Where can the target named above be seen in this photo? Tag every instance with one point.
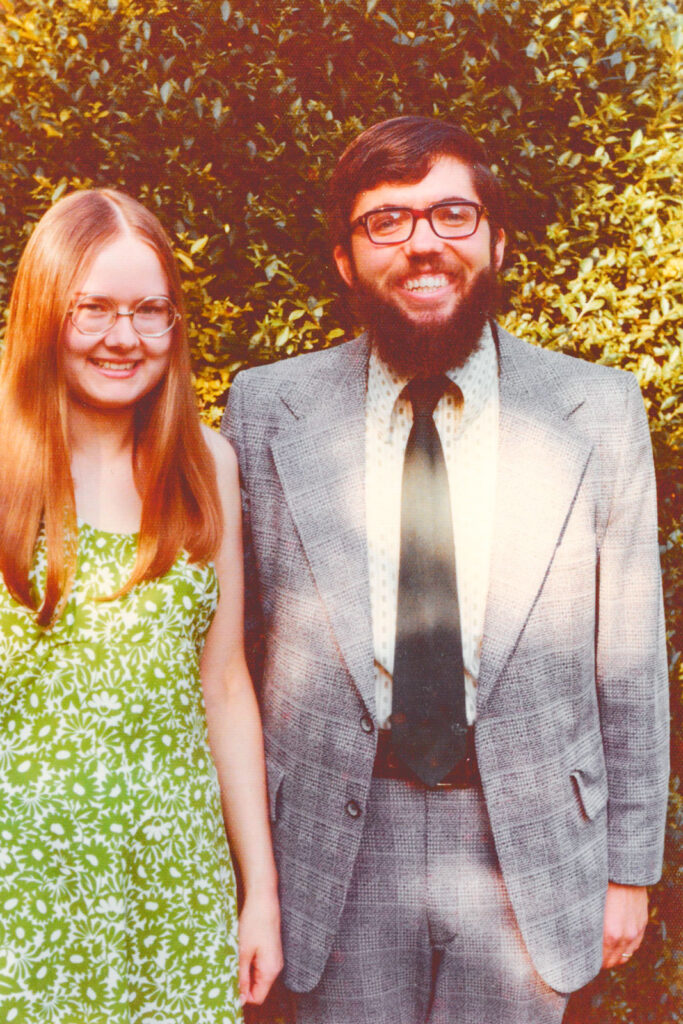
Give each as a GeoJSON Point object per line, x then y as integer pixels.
{"type": "Point", "coordinates": [222, 451]}
{"type": "Point", "coordinates": [227, 473]}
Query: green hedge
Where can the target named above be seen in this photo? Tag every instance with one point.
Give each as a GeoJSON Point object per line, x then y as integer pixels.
{"type": "Point", "coordinates": [226, 118]}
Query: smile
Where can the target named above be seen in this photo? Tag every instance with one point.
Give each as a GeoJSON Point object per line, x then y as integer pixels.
{"type": "Point", "coordinates": [426, 283]}
{"type": "Point", "coordinates": [108, 364]}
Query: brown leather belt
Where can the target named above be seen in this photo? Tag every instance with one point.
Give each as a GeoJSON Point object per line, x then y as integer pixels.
{"type": "Point", "coordinates": [388, 766]}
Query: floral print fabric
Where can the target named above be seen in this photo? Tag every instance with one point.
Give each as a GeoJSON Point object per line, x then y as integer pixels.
{"type": "Point", "coordinates": [117, 897]}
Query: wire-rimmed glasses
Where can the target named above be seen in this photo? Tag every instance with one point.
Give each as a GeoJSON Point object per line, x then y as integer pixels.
{"type": "Point", "coordinates": [151, 317]}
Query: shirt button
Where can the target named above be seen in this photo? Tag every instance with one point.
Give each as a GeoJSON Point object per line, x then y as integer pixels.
{"type": "Point", "coordinates": [366, 724]}
{"type": "Point", "coordinates": [352, 809]}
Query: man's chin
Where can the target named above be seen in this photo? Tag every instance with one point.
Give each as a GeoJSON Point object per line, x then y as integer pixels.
{"type": "Point", "coordinates": [429, 349]}
{"type": "Point", "coordinates": [425, 345]}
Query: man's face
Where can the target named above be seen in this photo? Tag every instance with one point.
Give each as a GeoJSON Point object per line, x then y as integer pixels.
{"type": "Point", "coordinates": [423, 299]}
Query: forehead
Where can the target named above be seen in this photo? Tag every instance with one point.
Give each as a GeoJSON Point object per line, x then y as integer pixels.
{"type": "Point", "coordinates": [447, 178]}
{"type": "Point", "coordinates": [125, 262]}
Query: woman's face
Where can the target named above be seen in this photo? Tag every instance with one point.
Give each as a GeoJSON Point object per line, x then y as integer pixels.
{"type": "Point", "coordinates": [117, 366]}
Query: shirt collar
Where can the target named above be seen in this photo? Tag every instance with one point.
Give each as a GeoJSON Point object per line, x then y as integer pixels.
{"type": "Point", "coordinates": [477, 379]}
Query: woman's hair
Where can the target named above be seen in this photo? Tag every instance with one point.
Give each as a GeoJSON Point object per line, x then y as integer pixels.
{"type": "Point", "coordinates": [174, 469]}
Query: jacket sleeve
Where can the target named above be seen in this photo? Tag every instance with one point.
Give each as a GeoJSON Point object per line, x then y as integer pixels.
{"type": "Point", "coordinates": [232, 427]}
{"type": "Point", "coordinates": [631, 663]}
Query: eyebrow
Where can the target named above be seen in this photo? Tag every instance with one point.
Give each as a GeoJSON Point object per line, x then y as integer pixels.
{"type": "Point", "coordinates": [446, 199]}
{"type": "Point", "coordinates": [103, 295]}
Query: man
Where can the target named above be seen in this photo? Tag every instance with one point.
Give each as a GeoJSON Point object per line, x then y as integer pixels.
{"type": "Point", "coordinates": [452, 549]}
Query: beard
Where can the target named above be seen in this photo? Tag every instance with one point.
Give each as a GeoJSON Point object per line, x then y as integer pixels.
{"type": "Point", "coordinates": [414, 349]}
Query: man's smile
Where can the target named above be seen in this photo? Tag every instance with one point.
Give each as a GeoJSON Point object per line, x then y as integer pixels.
{"type": "Point", "coordinates": [433, 288]}
{"type": "Point", "coordinates": [426, 283]}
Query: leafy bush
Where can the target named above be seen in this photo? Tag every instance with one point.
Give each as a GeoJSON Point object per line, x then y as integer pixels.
{"type": "Point", "coordinates": [226, 118]}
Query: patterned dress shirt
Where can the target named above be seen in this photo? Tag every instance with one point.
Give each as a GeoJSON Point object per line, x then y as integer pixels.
{"type": "Point", "coordinates": [466, 418]}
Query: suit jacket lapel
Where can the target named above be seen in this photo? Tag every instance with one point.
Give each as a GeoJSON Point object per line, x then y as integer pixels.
{"type": "Point", "coordinates": [320, 459]}
{"type": "Point", "coordinates": [541, 462]}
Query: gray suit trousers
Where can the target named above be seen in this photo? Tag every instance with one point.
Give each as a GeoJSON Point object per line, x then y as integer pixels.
{"type": "Point", "coordinates": [428, 933]}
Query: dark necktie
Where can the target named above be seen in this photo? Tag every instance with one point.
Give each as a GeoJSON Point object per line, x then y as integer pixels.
{"type": "Point", "coordinates": [428, 719]}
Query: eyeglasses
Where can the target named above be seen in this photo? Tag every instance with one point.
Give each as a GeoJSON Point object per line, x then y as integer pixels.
{"type": "Point", "coordinates": [395, 224]}
{"type": "Point", "coordinates": [151, 317]}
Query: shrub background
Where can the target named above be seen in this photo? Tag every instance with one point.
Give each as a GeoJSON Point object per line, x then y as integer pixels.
{"type": "Point", "coordinates": [226, 118]}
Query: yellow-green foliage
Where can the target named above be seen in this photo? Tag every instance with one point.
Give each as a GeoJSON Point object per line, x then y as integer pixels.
{"type": "Point", "coordinates": [226, 118]}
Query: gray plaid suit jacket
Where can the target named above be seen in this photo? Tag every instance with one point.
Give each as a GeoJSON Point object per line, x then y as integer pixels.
{"type": "Point", "coordinates": [572, 705]}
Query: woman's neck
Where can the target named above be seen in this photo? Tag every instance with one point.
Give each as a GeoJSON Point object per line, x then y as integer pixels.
{"type": "Point", "coordinates": [102, 445]}
{"type": "Point", "coordinates": [107, 433]}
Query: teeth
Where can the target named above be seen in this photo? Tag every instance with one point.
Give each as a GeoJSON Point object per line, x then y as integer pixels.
{"type": "Point", "coordinates": [105, 364]}
{"type": "Point", "coordinates": [426, 284]}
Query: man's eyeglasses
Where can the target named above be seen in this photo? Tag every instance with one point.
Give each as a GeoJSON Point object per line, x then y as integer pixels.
{"type": "Point", "coordinates": [151, 317]}
{"type": "Point", "coordinates": [392, 225]}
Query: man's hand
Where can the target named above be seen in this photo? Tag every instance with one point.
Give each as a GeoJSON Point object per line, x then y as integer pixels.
{"type": "Point", "coordinates": [260, 959]}
{"type": "Point", "coordinates": [625, 922]}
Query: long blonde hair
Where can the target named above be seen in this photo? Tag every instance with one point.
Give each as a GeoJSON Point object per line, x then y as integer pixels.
{"type": "Point", "coordinates": [174, 470]}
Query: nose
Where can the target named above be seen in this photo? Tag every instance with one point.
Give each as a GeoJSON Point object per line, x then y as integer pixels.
{"type": "Point", "coordinates": [423, 239]}
{"type": "Point", "coordinates": [121, 334]}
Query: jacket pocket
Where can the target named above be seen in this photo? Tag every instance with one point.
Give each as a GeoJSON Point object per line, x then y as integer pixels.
{"type": "Point", "coordinates": [590, 785]}
{"type": "Point", "coordinates": [274, 776]}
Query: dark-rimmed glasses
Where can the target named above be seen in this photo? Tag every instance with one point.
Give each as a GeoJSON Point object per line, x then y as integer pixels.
{"type": "Point", "coordinates": [151, 317]}
{"type": "Point", "coordinates": [392, 225]}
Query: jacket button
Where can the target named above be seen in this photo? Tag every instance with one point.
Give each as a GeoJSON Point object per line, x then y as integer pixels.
{"type": "Point", "coordinates": [352, 809]}
{"type": "Point", "coordinates": [366, 724]}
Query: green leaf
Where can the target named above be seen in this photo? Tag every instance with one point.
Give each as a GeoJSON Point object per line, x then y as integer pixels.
{"type": "Point", "coordinates": [514, 95]}
{"type": "Point", "coordinates": [165, 91]}
{"type": "Point", "coordinates": [388, 19]}
{"type": "Point", "coordinates": [225, 10]}
{"type": "Point", "coordinates": [199, 244]}
{"type": "Point", "coordinates": [185, 259]}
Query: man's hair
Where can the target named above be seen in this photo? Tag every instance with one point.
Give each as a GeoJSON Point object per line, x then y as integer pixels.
{"type": "Point", "coordinates": [404, 149]}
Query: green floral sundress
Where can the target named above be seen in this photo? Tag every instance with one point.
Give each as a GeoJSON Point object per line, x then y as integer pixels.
{"type": "Point", "coordinates": [117, 896]}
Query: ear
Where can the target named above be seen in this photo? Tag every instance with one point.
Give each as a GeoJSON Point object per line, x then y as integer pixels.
{"type": "Point", "coordinates": [498, 249]}
{"type": "Point", "coordinates": [344, 265]}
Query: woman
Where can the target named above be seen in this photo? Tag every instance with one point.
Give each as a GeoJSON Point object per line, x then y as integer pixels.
{"type": "Point", "coordinates": [119, 520]}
